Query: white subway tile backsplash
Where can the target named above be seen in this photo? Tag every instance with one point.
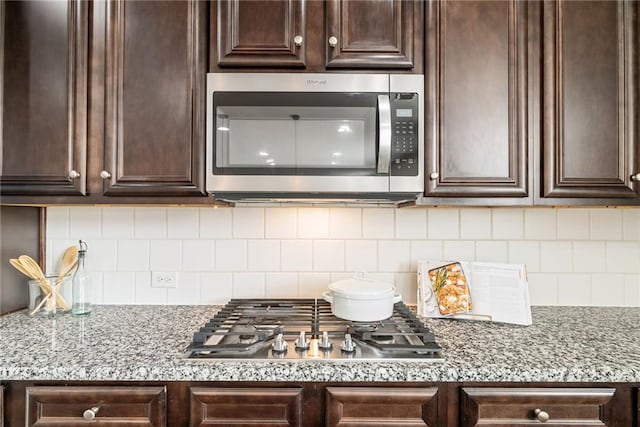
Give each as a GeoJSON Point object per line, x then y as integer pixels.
{"type": "Point", "coordinates": [197, 255]}
{"type": "Point", "coordinates": [606, 224]}
{"type": "Point", "coordinates": [491, 251]}
{"type": "Point", "coordinates": [249, 285]}
{"type": "Point", "coordinates": [378, 223]}
{"type": "Point", "coordinates": [407, 286]}
{"type": "Point", "coordinates": [313, 223]}
{"type": "Point", "coordinates": [411, 223]}
{"type": "Point", "coordinates": [150, 223]}
{"type": "Point", "coordinates": [328, 255]}
{"type": "Point", "coordinates": [623, 257]}
{"type": "Point", "coordinates": [216, 288]}
{"type": "Point", "coordinates": [589, 257]}
{"type": "Point", "coordinates": [556, 257]}
{"type": "Point", "coordinates": [608, 289]}
{"type": "Point", "coordinates": [298, 251]}
{"type": "Point", "coordinates": [525, 252]}
{"type": "Point", "coordinates": [540, 224]}
{"type": "Point", "coordinates": [183, 223]}
{"type": "Point", "coordinates": [462, 250]}
{"type": "Point", "coordinates": [573, 224]}
{"type": "Point", "coordinates": [345, 223]}
{"type": "Point", "coordinates": [508, 224]}
{"type": "Point", "coordinates": [187, 291]}
{"type": "Point", "coordinates": [281, 285]}
{"type": "Point", "coordinates": [296, 255]}
{"type": "Point", "coordinates": [443, 223]}
{"type": "Point", "coordinates": [361, 255]}
{"type": "Point", "coordinates": [281, 223]}
{"type": "Point", "coordinates": [85, 223]}
{"type": "Point", "coordinates": [575, 289]}
{"type": "Point", "coordinates": [145, 294]}
{"type": "Point", "coordinates": [263, 255]}
{"type": "Point", "coordinates": [165, 255]}
{"type": "Point", "coordinates": [248, 223]}
{"type": "Point", "coordinates": [394, 255]}
{"type": "Point", "coordinates": [231, 255]}
{"type": "Point", "coordinates": [117, 223]}
{"type": "Point", "coordinates": [97, 287]}
{"type": "Point", "coordinates": [133, 255]}
{"type": "Point", "coordinates": [475, 224]}
{"type": "Point", "coordinates": [57, 223]}
{"type": "Point", "coordinates": [215, 223]}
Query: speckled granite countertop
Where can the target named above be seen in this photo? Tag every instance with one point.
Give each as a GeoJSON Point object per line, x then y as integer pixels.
{"type": "Point", "coordinates": [568, 344]}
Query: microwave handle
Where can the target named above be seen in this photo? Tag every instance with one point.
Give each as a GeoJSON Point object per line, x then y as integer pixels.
{"type": "Point", "coordinates": [384, 132]}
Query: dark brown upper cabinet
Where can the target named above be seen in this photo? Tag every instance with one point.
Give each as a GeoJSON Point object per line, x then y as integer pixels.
{"type": "Point", "coordinates": [257, 33]}
{"type": "Point", "coordinates": [317, 36]}
{"type": "Point", "coordinates": [477, 82]}
{"type": "Point", "coordinates": [154, 106]}
{"type": "Point", "coordinates": [589, 138]}
{"type": "Point", "coordinates": [43, 93]}
{"type": "Point", "coordinates": [371, 34]}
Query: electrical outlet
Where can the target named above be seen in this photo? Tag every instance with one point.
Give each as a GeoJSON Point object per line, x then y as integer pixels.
{"type": "Point", "coordinates": [164, 279]}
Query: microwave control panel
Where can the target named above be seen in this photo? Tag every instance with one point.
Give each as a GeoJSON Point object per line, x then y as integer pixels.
{"type": "Point", "coordinates": [404, 134]}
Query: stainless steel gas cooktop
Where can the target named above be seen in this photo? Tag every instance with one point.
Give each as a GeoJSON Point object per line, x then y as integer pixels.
{"type": "Point", "coordinates": [305, 329]}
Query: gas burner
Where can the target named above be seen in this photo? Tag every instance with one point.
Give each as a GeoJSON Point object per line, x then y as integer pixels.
{"type": "Point", "coordinates": [366, 326]}
{"type": "Point", "coordinates": [247, 338]}
{"type": "Point", "coordinates": [382, 339]}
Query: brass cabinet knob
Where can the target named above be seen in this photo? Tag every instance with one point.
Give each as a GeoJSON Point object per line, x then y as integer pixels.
{"type": "Point", "coordinates": [73, 174]}
{"type": "Point", "coordinates": [105, 175]}
{"type": "Point", "coordinates": [90, 413]}
{"type": "Point", "coordinates": [434, 175]}
{"type": "Point", "coordinates": [333, 41]}
{"type": "Point", "coordinates": [298, 40]}
{"type": "Point", "coordinates": [541, 415]}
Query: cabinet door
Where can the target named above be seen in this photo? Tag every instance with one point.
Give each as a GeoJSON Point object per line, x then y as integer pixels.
{"type": "Point", "coordinates": [43, 69]}
{"type": "Point", "coordinates": [368, 34]}
{"type": "Point", "coordinates": [590, 94]}
{"type": "Point", "coordinates": [523, 406]}
{"type": "Point", "coordinates": [155, 85]}
{"type": "Point", "coordinates": [1, 406]}
{"type": "Point", "coordinates": [107, 406]}
{"type": "Point", "coordinates": [257, 33]}
{"type": "Point", "coordinates": [246, 406]}
{"type": "Point", "coordinates": [388, 406]}
{"type": "Point", "coordinates": [476, 132]}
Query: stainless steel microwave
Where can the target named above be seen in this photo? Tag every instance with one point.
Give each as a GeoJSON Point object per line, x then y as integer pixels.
{"type": "Point", "coordinates": [313, 137]}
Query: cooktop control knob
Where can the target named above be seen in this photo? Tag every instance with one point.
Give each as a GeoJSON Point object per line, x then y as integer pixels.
{"type": "Point", "coordinates": [348, 346]}
{"type": "Point", "coordinates": [279, 344]}
{"type": "Point", "coordinates": [302, 342]}
{"type": "Point", "coordinates": [325, 343]}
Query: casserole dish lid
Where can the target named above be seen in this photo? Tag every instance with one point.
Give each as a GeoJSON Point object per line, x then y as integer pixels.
{"type": "Point", "coordinates": [361, 288]}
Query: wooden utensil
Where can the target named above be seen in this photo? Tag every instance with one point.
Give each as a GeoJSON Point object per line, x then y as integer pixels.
{"type": "Point", "coordinates": [67, 265]}
{"type": "Point", "coordinates": [60, 299]}
{"type": "Point", "coordinates": [18, 266]}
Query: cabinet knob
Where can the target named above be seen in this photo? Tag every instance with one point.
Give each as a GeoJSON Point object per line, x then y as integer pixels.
{"type": "Point", "coordinates": [635, 178]}
{"type": "Point", "coordinates": [73, 174]}
{"type": "Point", "coordinates": [90, 413]}
{"type": "Point", "coordinates": [333, 41]}
{"type": "Point", "coordinates": [105, 175]}
{"type": "Point", "coordinates": [541, 415]}
{"type": "Point", "coordinates": [434, 175]}
{"type": "Point", "coordinates": [298, 40]}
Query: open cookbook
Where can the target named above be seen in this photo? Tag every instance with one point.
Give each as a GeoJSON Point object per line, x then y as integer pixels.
{"type": "Point", "coordinates": [474, 290]}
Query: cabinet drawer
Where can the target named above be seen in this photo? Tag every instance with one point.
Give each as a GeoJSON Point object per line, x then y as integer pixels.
{"type": "Point", "coordinates": [246, 406]}
{"type": "Point", "coordinates": [388, 406]}
{"type": "Point", "coordinates": [116, 406]}
{"type": "Point", "coordinates": [524, 406]}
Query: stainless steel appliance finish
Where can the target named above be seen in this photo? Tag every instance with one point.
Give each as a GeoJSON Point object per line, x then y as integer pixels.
{"type": "Point", "coordinates": [305, 329]}
{"type": "Point", "coordinates": [392, 135]}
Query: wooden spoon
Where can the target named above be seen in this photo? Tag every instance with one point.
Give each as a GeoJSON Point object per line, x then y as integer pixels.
{"type": "Point", "coordinates": [67, 264]}
{"type": "Point", "coordinates": [62, 303]}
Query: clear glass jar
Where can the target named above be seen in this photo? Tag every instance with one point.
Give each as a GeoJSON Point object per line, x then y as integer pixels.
{"type": "Point", "coordinates": [43, 303]}
{"type": "Point", "coordinates": [82, 290]}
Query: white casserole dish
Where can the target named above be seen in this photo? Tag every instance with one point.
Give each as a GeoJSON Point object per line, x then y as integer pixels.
{"type": "Point", "coordinates": [361, 299]}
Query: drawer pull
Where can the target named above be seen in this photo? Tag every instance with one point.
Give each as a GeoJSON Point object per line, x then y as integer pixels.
{"type": "Point", "coordinates": [90, 413]}
{"type": "Point", "coordinates": [73, 174]}
{"type": "Point", "coordinates": [105, 175]}
{"type": "Point", "coordinates": [297, 40]}
{"type": "Point", "coordinates": [333, 41]}
{"type": "Point", "coordinates": [541, 415]}
{"type": "Point", "coordinates": [635, 178]}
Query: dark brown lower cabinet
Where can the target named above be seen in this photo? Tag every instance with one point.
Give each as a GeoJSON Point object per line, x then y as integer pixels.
{"type": "Point", "coordinates": [107, 406]}
{"type": "Point", "coordinates": [507, 406]}
{"type": "Point", "coordinates": [253, 406]}
{"type": "Point", "coordinates": [1, 406]}
{"type": "Point", "coordinates": [381, 406]}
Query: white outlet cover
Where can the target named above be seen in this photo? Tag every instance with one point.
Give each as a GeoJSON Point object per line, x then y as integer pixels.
{"type": "Point", "coordinates": [164, 279]}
